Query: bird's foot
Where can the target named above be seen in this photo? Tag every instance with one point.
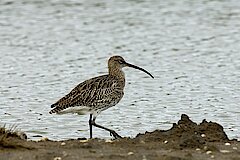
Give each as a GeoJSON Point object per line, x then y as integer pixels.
{"type": "Point", "coordinates": [114, 134]}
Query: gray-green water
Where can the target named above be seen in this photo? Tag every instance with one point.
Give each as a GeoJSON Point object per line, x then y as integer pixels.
{"type": "Point", "coordinates": [191, 47]}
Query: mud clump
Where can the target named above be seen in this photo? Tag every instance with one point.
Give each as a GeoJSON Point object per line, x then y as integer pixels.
{"type": "Point", "coordinates": [5, 133]}
{"type": "Point", "coordinates": [187, 134]}
{"type": "Point", "coordinates": [11, 138]}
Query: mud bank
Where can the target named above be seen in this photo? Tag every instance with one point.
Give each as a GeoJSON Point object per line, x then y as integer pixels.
{"type": "Point", "coordinates": [185, 140]}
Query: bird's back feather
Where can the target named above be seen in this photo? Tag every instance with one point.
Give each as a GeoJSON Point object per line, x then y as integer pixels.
{"type": "Point", "coordinates": [96, 92]}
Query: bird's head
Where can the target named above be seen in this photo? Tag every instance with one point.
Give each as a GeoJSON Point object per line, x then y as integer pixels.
{"type": "Point", "coordinates": [118, 62]}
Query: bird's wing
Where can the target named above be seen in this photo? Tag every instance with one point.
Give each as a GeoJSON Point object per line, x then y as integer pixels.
{"type": "Point", "coordinates": [88, 93]}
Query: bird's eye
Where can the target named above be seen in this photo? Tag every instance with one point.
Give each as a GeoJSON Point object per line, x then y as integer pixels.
{"type": "Point", "coordinates": [120, 61]}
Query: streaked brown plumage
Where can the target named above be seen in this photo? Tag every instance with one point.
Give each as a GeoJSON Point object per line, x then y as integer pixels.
{"type": "Point", "coordinates": [96, 94]}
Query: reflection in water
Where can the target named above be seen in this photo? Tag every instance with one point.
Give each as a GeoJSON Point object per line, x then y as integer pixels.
{"type": "Point", "coordinates": [191, 48]}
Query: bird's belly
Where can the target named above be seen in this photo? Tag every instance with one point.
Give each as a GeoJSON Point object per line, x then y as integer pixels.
{"type": "Point", "coordinates": [77, 109]}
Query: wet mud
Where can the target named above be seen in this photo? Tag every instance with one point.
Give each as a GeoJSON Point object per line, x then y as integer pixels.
{"type": "Point", "coordinates": [185, 140]}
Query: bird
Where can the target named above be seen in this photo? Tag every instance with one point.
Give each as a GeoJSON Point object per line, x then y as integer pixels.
{"type": "Point", "coordinates": [97, 94]}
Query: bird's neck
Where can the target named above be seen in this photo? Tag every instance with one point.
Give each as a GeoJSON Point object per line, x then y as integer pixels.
{"type": "Point", "coordinates": [117, 72]}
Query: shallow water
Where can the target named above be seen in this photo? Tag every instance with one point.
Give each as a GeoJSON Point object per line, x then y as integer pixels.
{"type": "Point", "coordinates": [192, 49]}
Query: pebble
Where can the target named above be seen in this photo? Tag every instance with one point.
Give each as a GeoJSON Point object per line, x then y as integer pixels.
{"type": "Point", "coordinates": [227, 144]}
{"type": "Point", "coordinates": [63, 144]}
{"type": "Point", "coordinates": [22, 135]}
{"type": "Point", "coordinates": [44, 139]}
{"type": "Point", "coordinates": [203, 135]}
{"type": "Point", "coordinates": [212, 156]}
{"type": "Point", "coordinates": [235, 148]}
{"type": "Point", "coordinates": [108, 141]}
{"type": "Point", "coordinates": [83, 141]}
{"type": "Point", "coordinates": [224, 151]}
{"type": "Point", "coordinates": [165, 142]}
{"type": "Point", "coordinates": [144, 157]}
{"type": "Point", "coordinates": [198, 149]}
{"type": "Point", "coordinates": [209, 152]}
{"type": "Point", "coordinates": [205, 148]}
{"type": "Point", "coordinates": [57, 158]}
{"type": "Point", "coordinates": [130, 153]}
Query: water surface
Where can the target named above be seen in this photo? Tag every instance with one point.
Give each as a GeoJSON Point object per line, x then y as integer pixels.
{"type": "Point", "coordinates": [192, 49]}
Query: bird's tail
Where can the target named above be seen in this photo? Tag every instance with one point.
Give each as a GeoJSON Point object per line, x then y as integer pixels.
{"type": "Point", "coordinates": [55, 110]}
{"type": "Point", "coordinates": [53, 105]}
{"type": "Point", "coordinates": [58, 108]}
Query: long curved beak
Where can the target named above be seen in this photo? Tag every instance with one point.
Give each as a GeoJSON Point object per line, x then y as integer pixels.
{"type": "Point", "coordinates": [139, 68]}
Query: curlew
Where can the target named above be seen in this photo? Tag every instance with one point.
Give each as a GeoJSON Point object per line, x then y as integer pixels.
{"type": "Point", "coordinates": [97, 94]}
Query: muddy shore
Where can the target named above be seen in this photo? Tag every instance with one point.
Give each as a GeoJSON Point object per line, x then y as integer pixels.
{"type": "Point", "coordinates": [186, 140]}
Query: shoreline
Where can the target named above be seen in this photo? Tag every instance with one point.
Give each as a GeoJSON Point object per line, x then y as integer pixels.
{"type": "Point", "coordinates": [185, 140]}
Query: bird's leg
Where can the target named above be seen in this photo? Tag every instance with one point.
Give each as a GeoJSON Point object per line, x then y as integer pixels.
{"type": "Point", "coordinates": [112, 132]}
{"type": "Point", "coordinates": [90, 125]}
